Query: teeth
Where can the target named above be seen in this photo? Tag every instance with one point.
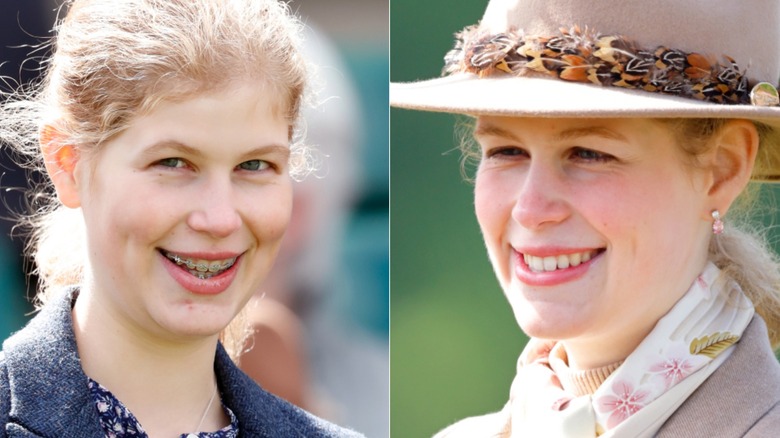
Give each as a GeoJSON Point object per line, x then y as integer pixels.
{"type": "Point", "coordinates": [203, 269]}
{"type": "Point", "coordinates": [552, 263]}
{"type": "Point", "coordinates": [536, 263]}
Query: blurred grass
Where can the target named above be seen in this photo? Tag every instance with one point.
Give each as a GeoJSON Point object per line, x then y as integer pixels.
{"type": "Point", "coordinates": [454, 341]}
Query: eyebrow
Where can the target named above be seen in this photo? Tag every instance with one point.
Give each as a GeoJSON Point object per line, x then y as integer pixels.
{"type": "Point", "coordinates": [486, 129]}
{"type": "Point", "coordinates": [596, 131]}
{"type": "Point", "coordinates": [194, 152]}
{"type": "Point", "coordinates": [172, 145]}
{"type": "Point", "coordinates": [284, 151]}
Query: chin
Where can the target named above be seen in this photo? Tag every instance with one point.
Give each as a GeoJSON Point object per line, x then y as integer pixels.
{"type": "Point", "coordinates": [544, 330]}
{"type": "Point", "coordinates": [553, 324]}
{"type": "Point", "coordinates": [197, 330]}
{"type": "Point", "coordinates": [201, 321]}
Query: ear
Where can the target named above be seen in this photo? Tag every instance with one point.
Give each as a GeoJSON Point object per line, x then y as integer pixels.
{"type": "Point", "coordinates": [60, 159]}
{"type": "Point", "coordinates": [733, 158]}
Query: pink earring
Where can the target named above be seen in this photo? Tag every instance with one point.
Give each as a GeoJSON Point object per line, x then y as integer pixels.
{"type": "Point", "coordinates": [717, 224]}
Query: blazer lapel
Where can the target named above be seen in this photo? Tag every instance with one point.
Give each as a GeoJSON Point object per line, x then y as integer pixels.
{"type": "Point", "coordinates": [252, 406]}
{"type": "Point", "coordinates": [49, 392]}
{"type": "Point", "coordinates": [261, 414]}
{"type": "Point", "coordinates": [749, 379]}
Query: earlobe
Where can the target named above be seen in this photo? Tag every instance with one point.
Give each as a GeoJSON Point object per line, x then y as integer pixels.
{"type": "Point", "coordinates": [736, 148]}
{"type": "Point", "coordinates": [61, 159]}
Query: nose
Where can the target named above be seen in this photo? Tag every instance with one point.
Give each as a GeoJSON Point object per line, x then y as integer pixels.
{"type": "Point", "coordinates": [541, 200]}
{"type": "Point", "coordinates": [216, 212]}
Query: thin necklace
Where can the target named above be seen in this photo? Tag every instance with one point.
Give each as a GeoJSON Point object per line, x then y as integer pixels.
{"type": "Point", "coordinates": [203, 417]}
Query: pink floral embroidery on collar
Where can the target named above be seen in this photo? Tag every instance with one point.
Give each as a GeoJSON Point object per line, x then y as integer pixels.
{"type": "Point", "coordinates": [675, 365]}
{"type": "Point", "coordinates": [622, 402]}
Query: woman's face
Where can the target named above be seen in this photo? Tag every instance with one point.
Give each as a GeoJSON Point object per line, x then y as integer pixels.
{"type": "Point", "coordinates": [595, 227]}
{"type": "Point", "coordinates": [185, 210]}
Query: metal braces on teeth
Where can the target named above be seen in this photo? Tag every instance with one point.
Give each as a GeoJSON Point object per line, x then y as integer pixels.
{"type": "Point", "coordinates": [202, 268]}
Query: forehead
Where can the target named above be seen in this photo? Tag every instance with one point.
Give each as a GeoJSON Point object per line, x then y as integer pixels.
{"type": "Point", "coordinates": [560, 129]}
{"type": "Point", "coordinates": [240, 111]}
{"type": "Point", "coordinates": [181, 91]}
{"type": "Point", "coordinates": [229, 120]}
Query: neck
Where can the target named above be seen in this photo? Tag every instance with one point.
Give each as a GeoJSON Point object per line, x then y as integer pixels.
{"type": "Point", "coordinates": [578, 383]}
{"type": "Point", "coordinates": [166, 384]}
{"type": "Point", "coordinates": [617, 338]}
{"type": "Point", "coordinates": [593, 353]}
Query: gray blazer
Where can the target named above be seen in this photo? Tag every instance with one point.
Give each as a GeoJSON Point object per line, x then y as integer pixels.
{"type": "Point", "coordinates": [740, 399]}
{"type": "Point", "coordinates": [44, 393]}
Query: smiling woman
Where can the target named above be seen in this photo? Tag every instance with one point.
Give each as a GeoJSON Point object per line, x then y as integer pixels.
{"type": "Point", "coordinates": [168, 132]}
{"type": "Point", "coordinates": [180, 198]}
{"type": "Point", "coordinates": [615, 147]}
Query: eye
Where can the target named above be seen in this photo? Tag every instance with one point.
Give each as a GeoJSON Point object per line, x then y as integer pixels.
{"type": "Point", "coordinates": [505, 152]}
{"type": "Point", "coordinates": [589, 155]}
{"type": "Point", "coordinates": [172, 162]}
{"type": "Point", "coordinates": [254, 165]}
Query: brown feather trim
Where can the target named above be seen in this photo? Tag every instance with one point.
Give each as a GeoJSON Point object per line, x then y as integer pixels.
{"type": "Point", "coordinates": [610, 60]}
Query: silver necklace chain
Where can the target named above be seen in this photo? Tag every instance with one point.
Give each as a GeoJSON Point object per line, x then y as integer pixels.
{"type": "Point", "coordinates": [205, 412]}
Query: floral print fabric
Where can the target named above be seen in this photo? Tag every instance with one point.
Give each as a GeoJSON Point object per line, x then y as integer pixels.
{"type": "Point", "coordinates": [118, 422]}
{"type": "Point", "coordinates": [682, 350]}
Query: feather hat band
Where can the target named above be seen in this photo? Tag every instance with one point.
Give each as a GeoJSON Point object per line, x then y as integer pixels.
{"type": "Point", "coordinates": [632, 58]}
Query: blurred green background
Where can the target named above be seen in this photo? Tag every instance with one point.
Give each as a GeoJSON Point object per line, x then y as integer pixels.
{"type": "Point", "coordinates": [454, 341]}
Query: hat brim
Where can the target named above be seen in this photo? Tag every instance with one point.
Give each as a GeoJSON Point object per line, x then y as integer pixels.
{"type": "Point", "coordinates": [465, 93]}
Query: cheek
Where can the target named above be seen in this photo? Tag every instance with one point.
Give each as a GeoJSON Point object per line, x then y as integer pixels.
{"type": "Point", "coordinates": [642, 216]}
{"type": "Point", "coordinates": [488, 203]}
{"type": "Point", "coordinates": [270, 213]}
{"type": "Point", "coordinates": [121, 211]}
{"type": "Point", "coordinates": [613, 209]}
{"type": "Point", "coordinates": [493, 206]}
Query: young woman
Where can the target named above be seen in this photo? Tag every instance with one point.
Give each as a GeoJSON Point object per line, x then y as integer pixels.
{"type": "Point", "coordinates": [167, 129]}
{"type": "Point", "coordinates": [613, 141]}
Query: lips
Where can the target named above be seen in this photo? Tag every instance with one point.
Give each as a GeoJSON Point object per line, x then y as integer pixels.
{"type": "Point", "coordinates": [547, 266]}
{"type": "Point", "coordinates": [201, 268]}
{"type": "Point", "coordinates": [202, 274]}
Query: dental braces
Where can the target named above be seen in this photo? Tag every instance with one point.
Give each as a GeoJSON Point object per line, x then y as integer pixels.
{"type": "Point", "coordinates": [202, 268]}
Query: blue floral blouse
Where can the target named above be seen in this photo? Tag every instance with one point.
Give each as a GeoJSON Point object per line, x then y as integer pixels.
{"type": "Point", "coordinates": [118, 422]}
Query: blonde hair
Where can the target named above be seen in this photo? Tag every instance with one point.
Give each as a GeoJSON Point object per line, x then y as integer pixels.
{"type": "Point", "coordinates": [114, 60]}
{"type": "Point", "coordinates": [743, 252]}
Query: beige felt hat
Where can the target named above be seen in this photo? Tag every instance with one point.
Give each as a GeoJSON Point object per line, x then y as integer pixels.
{"type": "Point", "coordinates": [626, 58]}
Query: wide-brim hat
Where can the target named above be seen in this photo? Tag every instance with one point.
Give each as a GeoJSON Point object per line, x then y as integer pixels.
{"type": "Point", "coordinates": [628, 58]}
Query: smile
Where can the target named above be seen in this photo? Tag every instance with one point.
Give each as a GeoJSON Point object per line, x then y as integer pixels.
{"type": "Point", "coordinates": [200, 268]}
{"type": "Point", "coordinates": [557, 262]}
